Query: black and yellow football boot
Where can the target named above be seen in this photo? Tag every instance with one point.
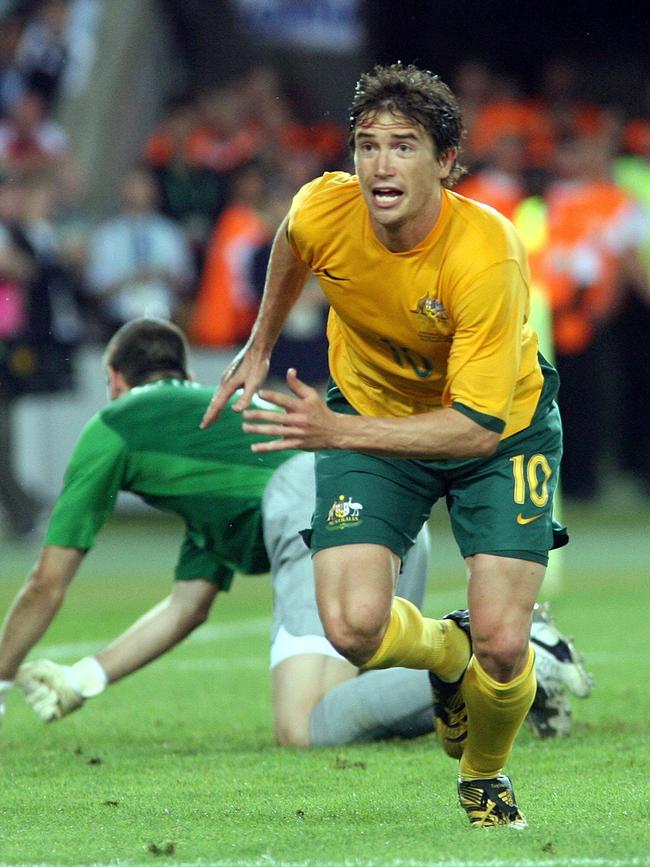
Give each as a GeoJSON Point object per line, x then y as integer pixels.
{"type": "Point", "coordinates": [490, 803]}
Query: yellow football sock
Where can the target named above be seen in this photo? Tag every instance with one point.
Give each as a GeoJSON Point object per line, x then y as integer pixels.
{"type": "Point", "coordinates": [414, 641]}
{"type": "Point", "coordinates": [495, 712]}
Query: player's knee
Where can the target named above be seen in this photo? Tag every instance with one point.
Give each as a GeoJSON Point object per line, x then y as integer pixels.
{"type": "Point", "coordinates": [501, 653]}
{"type": "Point", "coordinates": [291, 732]}
{"type": "Point", "coordinates": [356, 642]}
{"type": "Point", "coordinates": [354, 630]}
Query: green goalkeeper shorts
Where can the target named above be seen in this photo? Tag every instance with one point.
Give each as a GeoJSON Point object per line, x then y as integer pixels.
{"type": "Point", "coordinates": [501, 505]}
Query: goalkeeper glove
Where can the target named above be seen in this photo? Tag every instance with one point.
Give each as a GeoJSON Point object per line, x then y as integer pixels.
{"type": "Point", "coordinates": [53, 691]}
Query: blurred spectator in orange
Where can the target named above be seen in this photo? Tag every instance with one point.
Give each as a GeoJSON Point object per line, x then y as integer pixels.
{"type": "Point", "coordinates": [226, 303]}
{"type": "Point", "coordinates": [225, 136]}
{"type": "Point", "coordinates": [303, 342]}
{"type": "Point", "coordinates": [500, 181]}
{"type": "Point", "coordinates": [594, 235]}
{"type": "Point", "coordinates": [201, 142]}
{"type": "Point", "coordinates": [190, 193]}
{"type": "Point", "coordinates": [139, 262]}
{"type": "Point", "coordinates": [283, 132]}
{"type": "Point", "coordinates": [30, 141]}
{"type": "Point", "coordinates": [285, 136]}
{"type": "Point", "coordinates": [508, 114]}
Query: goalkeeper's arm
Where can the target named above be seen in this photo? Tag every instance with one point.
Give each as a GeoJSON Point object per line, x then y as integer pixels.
{"type": "Point", "coordinates": [34, 607]}
{"type": "Point", "coordinates": [55, 690]}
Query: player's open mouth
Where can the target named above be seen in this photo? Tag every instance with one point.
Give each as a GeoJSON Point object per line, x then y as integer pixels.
{"type": "Point", "coordinates": [386, 196]}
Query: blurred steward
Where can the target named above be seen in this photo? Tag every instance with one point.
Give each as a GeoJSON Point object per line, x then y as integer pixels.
{"type": "Point", "coordinates": [226, 302]}
{"type": "Point", "coordinates": [500, 181]}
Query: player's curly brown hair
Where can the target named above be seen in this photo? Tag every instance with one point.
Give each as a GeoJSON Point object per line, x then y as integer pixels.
{"type": "Point", "coordinates": [418, 95]}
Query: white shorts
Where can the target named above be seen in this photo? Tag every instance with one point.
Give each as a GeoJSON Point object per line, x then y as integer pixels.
{"type": "Point", "coordinates": [287, 507]}
{"type": "Point", "coordinates": [285, 646]}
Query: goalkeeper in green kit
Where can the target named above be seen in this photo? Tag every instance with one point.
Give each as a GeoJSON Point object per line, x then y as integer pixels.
{"type": "Point", "coordinates": [242, 513]}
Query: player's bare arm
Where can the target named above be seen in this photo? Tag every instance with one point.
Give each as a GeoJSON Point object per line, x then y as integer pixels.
{"type": "Point", "coordinates": [308, 424]}
{"type": "Point", "coordinates": [159, 629]}
{"type": "Point", "coordinates": [286, 276]}
{"type": "Point", "coordinates": [53, 690]}
{"type": "Point", "coordinates": [37, 603]}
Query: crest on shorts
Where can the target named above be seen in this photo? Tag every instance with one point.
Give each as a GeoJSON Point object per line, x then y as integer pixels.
{"type": "Point", "coordinates": [434, 312]}
{"type": "Point", "coordinates": [344, 511]}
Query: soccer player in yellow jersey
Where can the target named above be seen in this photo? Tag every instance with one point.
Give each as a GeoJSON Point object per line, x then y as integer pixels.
{"type": "Point", "coordinates": [437, 390]}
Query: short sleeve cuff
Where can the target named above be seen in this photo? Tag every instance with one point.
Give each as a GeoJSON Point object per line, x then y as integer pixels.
{"type": "Point", "coordinates": [490, 422]}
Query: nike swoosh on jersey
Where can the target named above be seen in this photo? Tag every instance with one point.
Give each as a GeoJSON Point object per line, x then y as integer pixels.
{"type": "Point", "coordinates": [522, 520]}
{"type": "Point", "coordinates": [332, 277]}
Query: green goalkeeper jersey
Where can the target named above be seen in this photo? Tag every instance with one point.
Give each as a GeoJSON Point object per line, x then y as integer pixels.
{"type": "Point", "coordinates": [149, 442]}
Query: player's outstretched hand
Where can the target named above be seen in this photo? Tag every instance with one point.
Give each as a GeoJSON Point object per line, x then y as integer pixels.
{"type": "Point", "coordinates": [49, 688]}
{"type": "Point", "coordinates": [246, 371]}
{"type": "Point", "coordinates": [306, 422]}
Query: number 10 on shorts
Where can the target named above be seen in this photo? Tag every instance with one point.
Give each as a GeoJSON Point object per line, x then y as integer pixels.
{"type": "Point", "coordinates": [535, 473]}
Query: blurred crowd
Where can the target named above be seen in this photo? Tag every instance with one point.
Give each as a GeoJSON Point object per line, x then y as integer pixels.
{"type": "Point", "coordinates": [574, 177]}
{"type": "Point", "coordinates": [198, 209]}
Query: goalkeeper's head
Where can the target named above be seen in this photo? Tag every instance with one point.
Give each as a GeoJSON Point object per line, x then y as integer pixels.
{"type": "Point", "coordinates": [145, 350]}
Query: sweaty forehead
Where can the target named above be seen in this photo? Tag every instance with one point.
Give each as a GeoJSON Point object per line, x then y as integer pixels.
{"type": "Point", "coordinates": [386, 120]}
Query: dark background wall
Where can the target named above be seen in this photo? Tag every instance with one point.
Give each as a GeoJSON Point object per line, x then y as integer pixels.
{"type": "Point", "coordinates": [517, 37]}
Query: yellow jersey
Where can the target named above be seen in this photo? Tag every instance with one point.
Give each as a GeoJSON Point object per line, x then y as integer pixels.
{"type": "Point", "coordinates": [442, 325]}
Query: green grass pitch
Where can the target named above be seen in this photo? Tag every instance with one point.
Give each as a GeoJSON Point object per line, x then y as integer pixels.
{"type": "Point", "coordinates": [177, 765]}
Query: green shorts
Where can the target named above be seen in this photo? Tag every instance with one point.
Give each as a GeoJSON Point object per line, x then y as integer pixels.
{"type": "Point", "coordinates": [195, 562]}
{"type": "Point", "coordinates": [500, 505]}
